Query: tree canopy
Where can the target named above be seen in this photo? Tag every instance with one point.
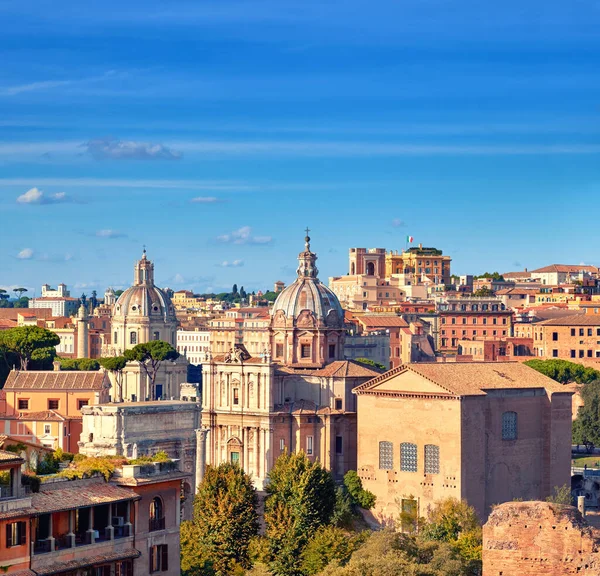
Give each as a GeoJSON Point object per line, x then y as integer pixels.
{"type": "Point", "coordinates": [84, 364]}
{"type": "Point", "coordinates": [29, 343]}
{"type": "Point", "coordinates": [483, 292]}
{"type": "Point", "coordinates": [150, 355]}
{"type": "Point", "coordinates": [564, 371]}
{"type": "Point", "coordinates": [225, 520]}
{"type": "Point", "coordinates": [371, 363]}
{"type": "Point", "coordinates": [301, 498]}
{"type": "Point", "coordinates": [491, 275]}
{"type": "Point", "coordinates": [586, 428]}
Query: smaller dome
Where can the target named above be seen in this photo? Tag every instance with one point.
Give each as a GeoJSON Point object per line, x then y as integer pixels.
{"type": "Point", "coordinates": [144, 300]}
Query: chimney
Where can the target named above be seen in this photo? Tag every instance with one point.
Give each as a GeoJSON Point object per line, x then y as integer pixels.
{"type": "Point", "coordinates": [56, 366]}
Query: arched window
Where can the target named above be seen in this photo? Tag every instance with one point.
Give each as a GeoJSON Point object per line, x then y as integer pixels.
{"type": "Point", "coordinates": [133, 337]}
{"type": "Point", "coordinates": [509, 426]}
{"type": "Point", "coordinates": [157, 516]}
{"type": "Point", "coordinates": [386, 456]}
{"type": "Point", "coordinates": [115, 339]}
{"type": "Point", "coordinates": [370, 269]}
{"type": "Point", "coordinates": [408, 457]}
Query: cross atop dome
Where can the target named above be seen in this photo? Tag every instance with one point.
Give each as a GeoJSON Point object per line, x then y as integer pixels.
{"type": "Point", "coordinates": [307, 260]}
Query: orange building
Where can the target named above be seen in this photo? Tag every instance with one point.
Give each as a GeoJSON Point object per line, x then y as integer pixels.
{"type": "Point", "coordinates": [45, 406]}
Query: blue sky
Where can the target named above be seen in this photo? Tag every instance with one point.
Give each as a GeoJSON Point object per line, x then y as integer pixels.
{"type": "Point", "coordinates": [215, 132]}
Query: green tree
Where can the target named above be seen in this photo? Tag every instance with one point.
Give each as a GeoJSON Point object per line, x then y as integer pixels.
{"type": "Point", "coordinates": [564, 371]}
{"type": "Point", "coordinates": [492, 275]}
{"type": "Point", "coordinates": [329, 544]}
{"type": "Point", "coordinates": [586, 428]}
{"type": "Point", "coordinates": [29, 343]}
{"type": "Point", "coordinates": [234, 290]}
{"type": "Point", "coordinates": [150, 356]}
{"type": "Point", "coordinates": [225, 521]}
{"type": "Point", "coordinates": [270, 296]}
{"type": "Point", "coordinates": [561, 495]}
{"type": "Point", "coordinates": [115, 365]}
{"type": "Point", "coordinates": [79, 364]}
{"type": "Point", "coordinates": [300, 499]}
{"type": "Point", "coordinates": [483, 292]}
{"type": "Point", "coordinates": [19, 292]}
{"type": "Point", "coordinates": [4, 296]}
{"type": "Point", "coordinates": [242, 293]}
{"type": "Point", "coordinates": [359, 495]}
{"type": "Point", "coordinates": [371, 363]}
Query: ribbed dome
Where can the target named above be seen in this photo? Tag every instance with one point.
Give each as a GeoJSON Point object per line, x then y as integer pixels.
{"type": "Point", "coordinates": [145, 300]}
{"type": "Point", "coordinates": [307, 293]}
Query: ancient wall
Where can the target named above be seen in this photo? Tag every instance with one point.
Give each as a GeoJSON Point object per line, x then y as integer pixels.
{"type": "Point", "coordinates": [538, 538]}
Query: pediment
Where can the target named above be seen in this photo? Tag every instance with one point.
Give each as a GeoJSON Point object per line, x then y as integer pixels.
{"type": "Point", "coordinates": [409, 382]}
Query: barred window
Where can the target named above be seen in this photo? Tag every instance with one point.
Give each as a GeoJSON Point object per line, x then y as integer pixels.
{"type": "Point", "coordinates": [408, 457]}
{"type": "Point", "coordinates": [432, 459]}
{"type": "Point", "coordinates": [386, 456]}
{"type": "Point", "coordinates": [509, 426]}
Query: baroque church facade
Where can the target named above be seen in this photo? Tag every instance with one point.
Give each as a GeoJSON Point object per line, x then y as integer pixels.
{"type": "Point", "coordinates": [143, 313]}
{"type": "Point", "coordinates": [296, 395]}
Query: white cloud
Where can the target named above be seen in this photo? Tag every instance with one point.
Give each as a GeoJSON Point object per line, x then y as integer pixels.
{"type": "Point", "coordinates": [204, 200]}
{"type": "Point", "coordinates": [109, 233]}
{"type": "Point", "coordinates": [243, 235]}
{"type": "Point", "coordinates": [232, 264]}
{"type": "Point", "coordinates": [397, 223]}
{"type": "Point", "coordinates": [36, 196]}
{"type": "Point", "coordinates": [25, 254]}
{"type": "Point", "coordinates": [113, 149]}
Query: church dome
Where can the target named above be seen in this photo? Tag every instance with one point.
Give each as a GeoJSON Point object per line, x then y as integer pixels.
{"type": "Point", "coordinates": [144, 299]}
{"type": "Point", "coordinates": [308, 294]}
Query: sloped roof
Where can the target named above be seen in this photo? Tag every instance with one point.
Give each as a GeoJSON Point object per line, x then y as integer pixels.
{"type": "Point", "coordinates": [42, 415]}
{"type": "Point", "coordinates": [470, 378]}
{"type": "Point", "coordinates": [71, 565]}
{"type": "Point", "coordinates": [569, 268]}
{"type": "Point", "coordinates": [337, 369]}
{"type": "Point", "coordinates": [391, 320]}
{"type": "Point", "coordinates": [573, 320]}
{"type": "Point", "coordinates": [9, 457]}
{"type": "Point", "coordinates": [55, 380]}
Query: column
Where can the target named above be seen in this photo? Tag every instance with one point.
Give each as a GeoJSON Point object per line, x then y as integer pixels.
{"type": "Point", "coordinates": [263, 452]}
{"type": "Point", "coordinates": [200, 455]}
{"type": "Point", "coordinates": [269, 447]}
{"type": "Point", "coordinates": [245, 463]}
{"type": "Point", "coordinates": [50, 534]}
{"type": "Point", "coordinates": [110, 531]}
{"type": "Point", "coordinates": [255, 453]}
{"type": "Point", "coordinates": [90, 530]}
{"type": "Point", "coordinates": [128, 525]}
{"type": "Point", "coordinates": [71, 534]}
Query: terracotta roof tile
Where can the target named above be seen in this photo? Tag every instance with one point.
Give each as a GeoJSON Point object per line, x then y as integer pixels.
{"type": "Point", "coordinates": [382, 321]}
{"type": "Point", "coordinates": [62, 496]}
{"type": "Point", "coordinates": [573, 320]}
{"type": "Point", "coordinates": [13, 313]}
{"type": "Point", "coordinates": [9, 457]}
{"type": "Point", "coordinates": [42, 415]}
{"type": "Point", "coordinates": [337, 369]}
{"type": "Point", "coordinates": [470, 378]}
{"type": "Point", "coordinates": [67, 565]}
{"type": "Point", "coordinates": [569, 268]}
{"type": "Point", "coordinates": [55, 380]}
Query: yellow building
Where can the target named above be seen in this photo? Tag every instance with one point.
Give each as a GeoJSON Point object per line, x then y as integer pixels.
{"type": "Point", "coordinates": [420, 264]}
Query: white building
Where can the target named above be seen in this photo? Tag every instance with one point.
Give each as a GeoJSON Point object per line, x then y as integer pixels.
{"type": "Point", "coordinates": [59, 301]}
{"type": "Point", "coordinates": [193, 344]}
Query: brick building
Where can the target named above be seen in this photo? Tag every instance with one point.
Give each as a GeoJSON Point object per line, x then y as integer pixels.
{"type": "Point", "coordinates": [568, 337]}
{"type": "Point", "coordinates": [483, 432]}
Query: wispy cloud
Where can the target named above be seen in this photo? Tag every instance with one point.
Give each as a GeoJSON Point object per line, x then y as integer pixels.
{"type": "Point", "coordinates": [113, 149]}
{"type": "Point", "coordinates": [397, 223]}
{"type": "Point", "coordinates": [204, 200]}
{"type": "Point", "coordinates": [45, 85]}
{"type": "Point", "coordinates": [36, 196]}
{"type": "Point", "coordinates": [243, 235]}
{"type": "Point", "coordinates": [232, 264]}
{"type": "Point", "coordinates": [25, 254]}
{"type": "Point", "coordinates": [109, 233]}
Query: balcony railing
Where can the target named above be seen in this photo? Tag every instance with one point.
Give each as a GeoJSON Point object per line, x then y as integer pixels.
{"type": "Point", "coordinates": [156, 524]}
{"type": "Point", "coordinates": [6, 492]}
{"type": "Point", "coordinates": [41, 547]}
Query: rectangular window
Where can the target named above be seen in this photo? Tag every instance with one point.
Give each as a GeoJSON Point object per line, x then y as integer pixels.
{"type": "Point", "coordinates": [159, 558]}
{"type": "Point", "coordinates": [279, 350]}
{"type": "Point", "coordinates": [281, 444]}
{"type": "Point", "coordinates": [23, 404]}
{"type": "Point", "coordinates": [386, 456]}
{"type": "Point", "coordinates": [573, 354]}
{"type": "Point", "coordinates": [82, 403]}
{"type": "Point", "coordinates": [156, 336]}
{"type": "Point", "coordinates": [572, 331]}
{"type": "Point", "coordinates": [236, 396]}
{"type": "Point", "coordinates": [338, 404]}
{"type": "Point", "coordinates": [47, 429]}
{"type": "Point", "coordinates": [589, 353]}
{"type": "Point", "coordinates": [309, 445]}
{"type": "Point", "coordinates": [581, 331]}
{"type": "Point", "coordinates": [432, 459]}
{"type": "Point", "coordinates": [305, 350]}
{"type": "Point", "coordinates": [554, 336]}
{"type": "Point", "coordinates": [581, 353]}
{"type": "Point", "coordinates": [555, 353]}
{"type": "Point", "coordinates": [474, 320]}
{"type": "Point", "coordinates": [332, 350]}
{"type": "Point", "coordinates": [589, 332]}
{"type": "Point", "coordinates": [16, 534]}
{"type": "Point", "coordinates": [408, 457]}
{"type": "Point", "coordinates": [339, 445]}
{"type": "Point", "coordinates": [52, 404]}
{"type": "Point", "coordinates": [115, 338]}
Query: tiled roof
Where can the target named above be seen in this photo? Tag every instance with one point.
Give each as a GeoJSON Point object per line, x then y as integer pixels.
{"type": "Point", "coordinates": [5, 437]}
{"type": "Point", "coordinates": [382, 321]}
{"type": "Point", "coordinates": [9, 457]}
{"type": "Point", "coordinates": [471, 378]}
{"type": "Point", "coordinates": [13, 313]}
{"type": "Point", "coordinates": [573, 320]}
{"type": "Point", "coordinates": [251, 360]}
{"type": "Point", "coordinates": [42, 415]}
{"type": "Point", "coordinates": [67, 565]}
{"type": "Point", "coordinates": [62, 496]}
{"type": "Point", "coordinates": [300, 407]}
{"type": "Point", "coordinates": [6, 324]}
{"type": "Point", "coordinates": [509, 275]}
{"type": "Point", "coordinates": [337, 369]}
{"type": "Point", "coordinates": [55, 380]}
{"type": "Point", "coordinates": [569, 268]}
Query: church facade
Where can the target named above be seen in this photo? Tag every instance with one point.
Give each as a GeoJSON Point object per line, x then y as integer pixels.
{"type": "Point", "coordinates": [295, 395]}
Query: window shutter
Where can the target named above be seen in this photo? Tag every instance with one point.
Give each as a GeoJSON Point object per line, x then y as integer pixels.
{"type": "Point", "coordinates": [165, 557]}
{"type": "Point", "coordinates": [9, 541]}
{"type": "Point", "coordinates": [22, 533]}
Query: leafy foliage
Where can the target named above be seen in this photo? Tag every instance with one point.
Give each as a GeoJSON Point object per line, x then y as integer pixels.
{"type": "Point", "coordinates": [329, 544]}
{"type": "Point", "coordinates": [301, 498]}
{"type": "Point", "coordinates": [359, 495]}
{"type": "Point", "coordinates": [225, 520]}
{"type": "Point", "coordinates": [160, 456]}
{"type": "Point", "coordinates": [372, 363]}
{"type": "Point", "coordinates": [562, 495]}
{"type": "Point", "coordinates": [586, 428]}
{"type": "Point", "coordinates": [564, 371]}
{"type": "Point", "coordinates": [483, 292]}
{"type": "Point", "coordinates": [88, 467]}
{"type": "Point", "coordinates": [29, 343]}
{"type": "Point", "coordinates": [150, 355]}
{"type": "Point", "coordinates": [115, 365]}
{"type": "Point", "coordinates": [491, 275]}
{"type": "Point", "coordinates": [79, 364]}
